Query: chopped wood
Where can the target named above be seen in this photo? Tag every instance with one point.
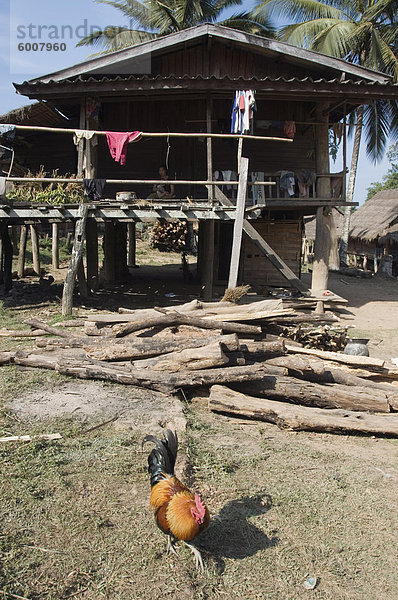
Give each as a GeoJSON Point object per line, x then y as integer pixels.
{"type": "Point", "coordinates": [365, 361]}
{"type": "Point", "coordinates": [190, 359]}
{"type": "Point", "coordinates": [17, 333]}
{"type": "Point", "coordinates": [36, 324]}
{"type": "Point", "coordinates": [315, 394]}
{"type": "Point", "coordinates": [300, 418]}
{"type": "Point", "coordinates": [175, 318]}
{"type": "Point", "coordinates": [31, 438]}
{"type": "Point", "coordinates": [135, 348]}
{"type": "Point", "coordinates": [6, 357]}
{"type": "Point", "coordinates": [262, 350]}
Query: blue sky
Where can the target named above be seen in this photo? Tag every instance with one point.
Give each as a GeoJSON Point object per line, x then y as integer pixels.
{"type": "Point", "coordinates": [75, 16]}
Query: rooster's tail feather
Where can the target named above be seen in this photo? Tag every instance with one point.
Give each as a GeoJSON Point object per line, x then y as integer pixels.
{"type": "Point", "coordinates": [162, 458]}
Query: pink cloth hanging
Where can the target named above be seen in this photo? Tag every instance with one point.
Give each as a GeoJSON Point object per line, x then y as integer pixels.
{"type": "Point", "coordinates": [117, 142]}
{"type": "Point", "coordinates": [290, 129]}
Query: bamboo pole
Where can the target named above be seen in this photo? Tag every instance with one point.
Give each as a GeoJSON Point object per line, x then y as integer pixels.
{"type": "Point", "coordinates": [157, 134]}
{"type": "Point", "coordinates": [135, 181]}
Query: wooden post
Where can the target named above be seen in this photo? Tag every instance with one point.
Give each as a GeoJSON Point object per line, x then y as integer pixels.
{"type": "Point", "coordinates": [7, 251]}
{"type": "Point", "coordinates": [55, 246]}
{"type": "Point", "coordinates": [131, 261]}
{"type": "Point", "coordinates": [240, 148]}
{"type": "Point", "coordinates": [320, 272]}
{"type": "Point", "coordinates": [81, 279]}
{"type": "Point", "coordinates": [81, 149]}
{"type": "Point", "coordinates": [109, 252]}
{"type": "Point", "coordinates": [121, 251]}
{"type": "Point", "coordinates": [35, 249]}
{"type": "Point", "coordinates": [92, 254]}
{"type": "Point", "coordinates": [77, 255]}
{"type": "Point", "coordinates": [22, 251]}
{"type": "Point", "coordinates": [238, 225]}
{"type": "Point", "coordinates": [344, 188]}
{"type": "Point", "coordinates": [210, 190]}
{"type": "Point", "coordinates": [1, 259]}
{"type": "Point", "coordinates": [208, 259]}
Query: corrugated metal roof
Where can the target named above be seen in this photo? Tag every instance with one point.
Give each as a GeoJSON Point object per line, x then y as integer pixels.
{"type": "Point", "coordinates": [121, 60]}
{"type": "Point", "coordinates": [171, 76]}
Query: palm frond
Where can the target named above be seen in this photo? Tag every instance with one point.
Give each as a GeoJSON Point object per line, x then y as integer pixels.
{"type": "Point", "coordinates": [377, 120]}
{"type": "Point", "coordinates": [300, 10]}
{"type": "Point", "coordinates": [244, 22]}
{"type": "Point", "coordinates": [332, 40]}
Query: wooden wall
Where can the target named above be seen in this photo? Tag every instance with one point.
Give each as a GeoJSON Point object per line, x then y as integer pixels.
{"type": "Point", "coordinates": [187, 157]}
{"type": "Point", "coordinates": [284, 236]}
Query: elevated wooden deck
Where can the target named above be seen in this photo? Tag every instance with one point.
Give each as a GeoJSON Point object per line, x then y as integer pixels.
{"type": "Point", "coordinates": [105, 210]}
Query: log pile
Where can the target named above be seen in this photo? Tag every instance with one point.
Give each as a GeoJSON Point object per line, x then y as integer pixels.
{"type": "Point", "coordinates": [226, 349]}
{"type": "Point", "coordinates": [169, 236]}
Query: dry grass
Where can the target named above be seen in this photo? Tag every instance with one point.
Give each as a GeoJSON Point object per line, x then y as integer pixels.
{"type": "Point", "coordinates": [75, 521]}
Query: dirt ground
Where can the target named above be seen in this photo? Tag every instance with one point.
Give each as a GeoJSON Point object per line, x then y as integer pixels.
{"type": "Point", "coordinates": [285, 506]}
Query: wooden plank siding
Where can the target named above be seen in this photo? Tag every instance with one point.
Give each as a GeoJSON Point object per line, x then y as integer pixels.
{"type": "Point", "coordinates": [285, 238]}
{"type": "Point", "coordinates": [255, 269]}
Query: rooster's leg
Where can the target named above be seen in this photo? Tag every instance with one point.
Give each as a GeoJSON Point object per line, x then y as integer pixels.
{"type": "Point", "coordinates": [170, 546]}
{"type": "Point", "coordinates": [197, 555]}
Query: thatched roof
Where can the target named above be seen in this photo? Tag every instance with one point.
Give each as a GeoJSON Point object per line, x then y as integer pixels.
{"type": "Point", "coordinates": [378, 217]}
{"type": "Point", "coordinates": [310, 224]}
{"type": "Point", "coordinates": [38, 113]}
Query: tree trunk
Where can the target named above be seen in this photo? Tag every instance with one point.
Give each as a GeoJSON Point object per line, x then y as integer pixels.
{"type": "Point", "coordinates": [314, 394]}
{"type": "Point", "coordinates": [190, 359]}
{"type": "Point", "coordinates": [351, 187]}
{"type": "Point", "coordinates": [300, 418]}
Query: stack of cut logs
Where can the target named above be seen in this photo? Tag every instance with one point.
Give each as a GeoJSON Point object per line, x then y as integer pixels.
{"type": "Point", "coordinates": [224, 349]}
{"type": "Point", "coordinates": [169, 236]}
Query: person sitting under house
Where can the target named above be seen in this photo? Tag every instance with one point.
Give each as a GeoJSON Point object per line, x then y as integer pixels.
{"type": "Point", "coordinates": [162, 190]}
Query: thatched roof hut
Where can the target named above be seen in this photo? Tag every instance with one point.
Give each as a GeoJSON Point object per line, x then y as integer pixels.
{"type": "Point", "coordinates": [377, 218]}
{"type": "Point", "coordinates": [310, 224]}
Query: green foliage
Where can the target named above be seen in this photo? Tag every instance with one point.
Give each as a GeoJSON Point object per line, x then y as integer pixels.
{"type": "Point", "coordinates": [390, 179]}
{"type": "Point", "coordinates": [150, 19]}
{"type": "Point", "coordinates": [363, 33]}
{"type": "Point", "coordinates": [47, 193]}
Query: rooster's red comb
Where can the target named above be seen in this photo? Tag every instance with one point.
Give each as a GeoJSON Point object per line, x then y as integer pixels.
{"type": "Point", "coordinates": [200, 506]}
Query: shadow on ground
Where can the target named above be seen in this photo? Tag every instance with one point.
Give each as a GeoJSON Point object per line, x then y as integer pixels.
{"type": "Point", "coordinates": [232, 535]}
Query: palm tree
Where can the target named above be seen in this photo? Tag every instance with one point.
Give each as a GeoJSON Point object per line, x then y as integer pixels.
{"type": "Point", "coordinates": [150, 19]}
{"type": "Point", "coordinates": [364, 32]}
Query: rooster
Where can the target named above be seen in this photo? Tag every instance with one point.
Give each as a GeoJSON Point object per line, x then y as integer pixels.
{"type": "Point", "coordinates": [179, 513]}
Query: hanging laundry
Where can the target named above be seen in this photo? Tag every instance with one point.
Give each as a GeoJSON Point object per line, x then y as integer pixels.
{"type": "Point", "coordinates": [117, 142]}
{"type": "Point", "coordinates": [286, 182]}
{"type": "Point", "coordinates": [81, 134]}
{"type": "Point", "coordinates": [290, 129]}
{"type": "Point", "coordinates": [258, 192]}
{"type": "Point", "coordinates": [242, 112]}
{"type": "Point", "coordinates": [94, 188]}
{"type": "Point", "coordinates": [305, 178]}
{"type": "Point", "coordinates": [93, 107]}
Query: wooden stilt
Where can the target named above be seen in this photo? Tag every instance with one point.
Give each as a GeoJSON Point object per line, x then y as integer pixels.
{"type": "Point", "coordinates": [1, 260]}
{"type": "Point", "coordinates": [77, 254]}
{"type": "Point", "coordinates": [320, 272]}
{"type": "Point", "coordinates": [55, 246]}
{"type": "Point", "coordinates": [7, 251]}
{"type": "Point", "coordinates": [109, 252]}
{"type": "Point", "coordinates": [15, 233]}
{"type": "Point", "coordinates": [34, 236]}
{"type": "Point", "coordinates": [131, 261]}
{"type": "Point", "coordinates": [121, 268]}
{"type": "Point", "coordinates": [22, 250]}
{"type": "Point", "coordinates": [207, 259]}
{"type": "Point", "coordinates": [92, 254]}
{"type": "Point", "coordinates": [238, 225]}
{"type": "Point", "coordinates": [81, 279]}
